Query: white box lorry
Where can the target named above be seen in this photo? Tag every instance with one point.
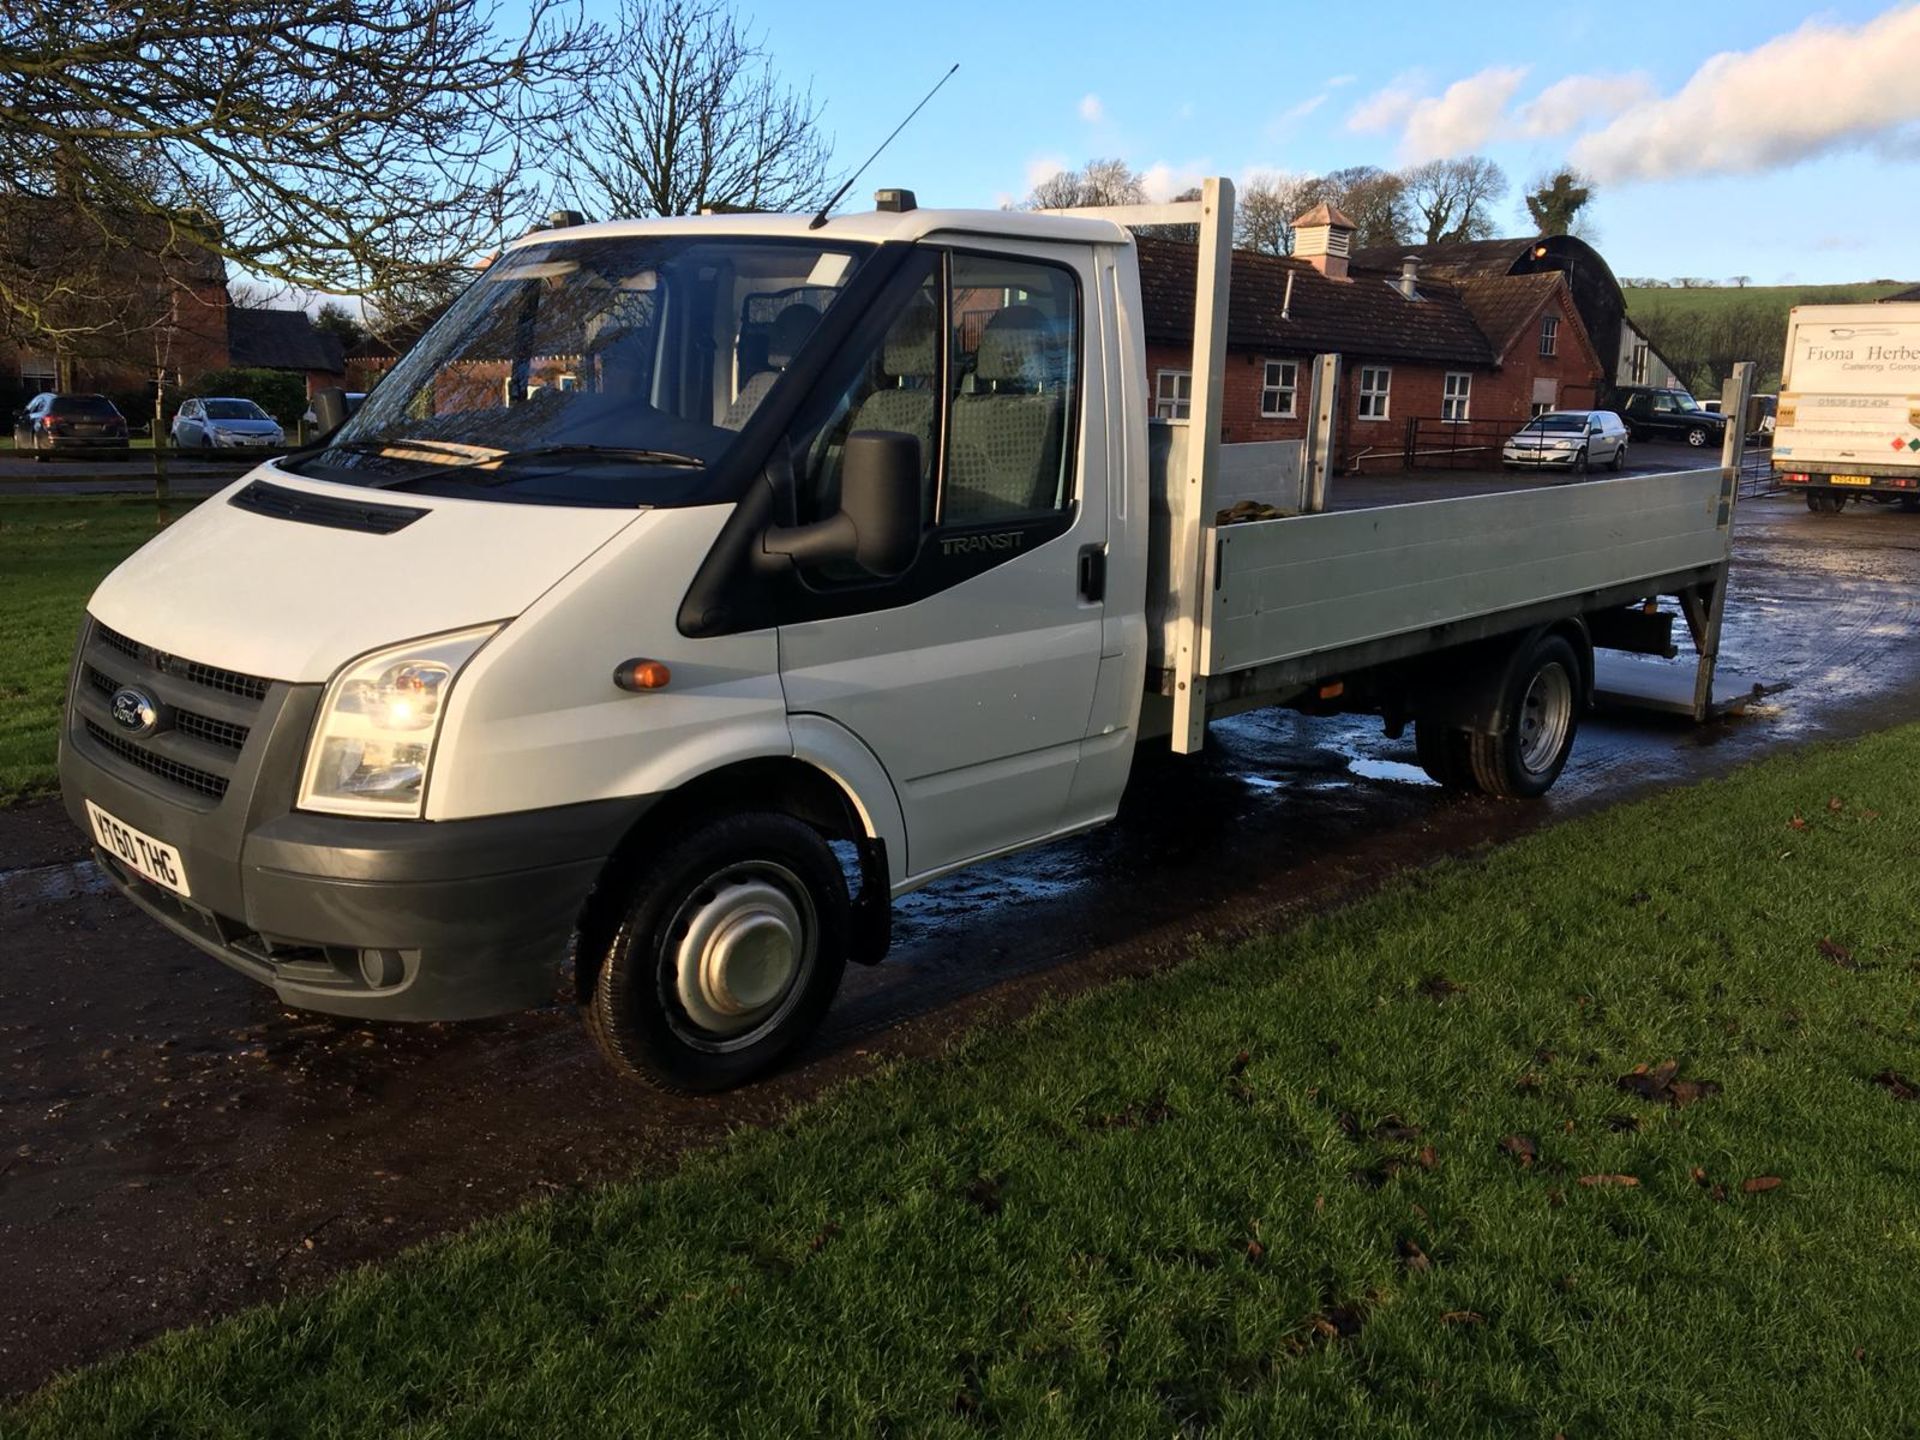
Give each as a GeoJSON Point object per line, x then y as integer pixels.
{"type": "Point", "coordinates": [1848, 421]}
{"type": "Point", "coordinates": [696, 587]}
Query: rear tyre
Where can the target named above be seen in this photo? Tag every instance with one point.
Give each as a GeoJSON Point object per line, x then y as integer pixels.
{"type": "Point", "coordinates": [1542, 714]}
{"type": "Point", "coordinates": [728, 953]}
{"type": "Point", "coordinates": [1442, 752]}
{"type": "Point", "coordinates": [1825, 502]}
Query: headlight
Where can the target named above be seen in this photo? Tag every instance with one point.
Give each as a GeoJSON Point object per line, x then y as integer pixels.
{"type": "Point", "coordinates": [373, 742]}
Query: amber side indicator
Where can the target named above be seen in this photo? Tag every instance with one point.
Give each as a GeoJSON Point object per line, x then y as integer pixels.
{"type": "Point", "coordinates": [1333, 690]}
{"type": "Point", "coordinates": [643, 675]}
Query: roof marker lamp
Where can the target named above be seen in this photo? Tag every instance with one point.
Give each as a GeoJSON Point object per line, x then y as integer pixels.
{"type": "Point", "coordinates": [373, 743]}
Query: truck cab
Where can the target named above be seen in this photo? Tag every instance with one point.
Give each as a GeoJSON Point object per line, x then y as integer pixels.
{"type": "Point", "coordinates": [674, 553]}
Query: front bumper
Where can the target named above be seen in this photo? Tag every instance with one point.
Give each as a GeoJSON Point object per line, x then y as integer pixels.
{"type": "Point", "coordinates": [386, 919]}
{"type": "Point", "coordinates": [1540, 459]}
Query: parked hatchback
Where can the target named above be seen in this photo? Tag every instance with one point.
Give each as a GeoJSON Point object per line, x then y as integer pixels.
{"type": "Point", "coordinates": [227, 423]}
{"type": "Point", "coordinates": [70, 425]}
{"type": "Point", "coordinates": [1669, 415]}
{"type": "Point", "coordinates": [1568, 439]}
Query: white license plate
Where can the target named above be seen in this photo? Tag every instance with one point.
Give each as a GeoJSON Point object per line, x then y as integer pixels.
{"type": "Point", "coordinates": [139, 851]}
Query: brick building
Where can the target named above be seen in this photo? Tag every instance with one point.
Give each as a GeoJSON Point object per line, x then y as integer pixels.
{"type": "Point", "coordinates": [1420, 357]}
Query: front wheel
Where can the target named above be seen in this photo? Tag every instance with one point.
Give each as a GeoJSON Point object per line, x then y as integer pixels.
{"type": "Point", "coordinates": [1697, 435]}
{"type": "Point", "coordinates": [1541, 711]}
{"type": "Point", "coordinates": [729, 951]}
{"type": "Point", "coordinates": [1620, 457]}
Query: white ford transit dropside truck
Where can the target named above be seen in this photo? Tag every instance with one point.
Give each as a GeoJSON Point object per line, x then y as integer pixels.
{"type": "Point", "coordinates": [695, 587]}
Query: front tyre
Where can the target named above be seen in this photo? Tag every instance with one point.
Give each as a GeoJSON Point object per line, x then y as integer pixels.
{"type": "Point", "coordinates": [1697, 436]}
{"type": "Point", "coordinates": [1542, 714]}
{"type": "Point", "coordinates": [730, 949]}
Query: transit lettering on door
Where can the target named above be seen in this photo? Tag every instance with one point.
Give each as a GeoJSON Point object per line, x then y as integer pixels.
{"type": "Point", "coordinates": [976, 544]}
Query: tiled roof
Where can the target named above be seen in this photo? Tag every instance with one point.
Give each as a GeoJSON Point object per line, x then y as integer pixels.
{"type": "Point", "coordinates": [1362, 316]}
{"type": "Point", "coordinates": [1324, 214]}
{"type": "Point", "coordinates": [280, 340]}
{"type": "Point", "coordinates": [1503, 305]}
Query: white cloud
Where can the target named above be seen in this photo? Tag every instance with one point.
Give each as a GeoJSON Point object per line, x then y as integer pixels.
{"type": "Point", "coordinates": [1384, 109]}
{"type": "Point", "coordinates": [1822, 88]}
{"type": "Point", "coordinates": [1336, 81]}
{"type": "Point", "coordinates": [1163, 181]}
{"type": "Point", "coordinates": [1462, 117]}
{"type": "Point", "coordinates": [1091, 110]}
{"type": "Point", "coordinates": [1185, 112]}
{"type": "Point", "coordinates": [1044, 167]}
{"type": "Point", "coordinates": [1303, 109]}
{"type": "Point", "coordinates": [1570, 103]}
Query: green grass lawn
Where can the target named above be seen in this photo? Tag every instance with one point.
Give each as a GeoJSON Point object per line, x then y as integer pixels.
{"type": "Point", "coordinates": [1416, 1168]}
{"type": "Point", "coordinates": [52, 553]}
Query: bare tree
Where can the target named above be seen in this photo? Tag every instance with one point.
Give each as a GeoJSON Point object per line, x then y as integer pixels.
{"type": "Point", "coordinates": [1267, 207]}
{"type": "Point", "coordinates": [336, 145]}
{"type": "Point", "coordinates": [690, 116]}
{"type": "Point", "coordinates": [1098, 182]}
{"type": "Point", "coordinates": [1454, 198]}
{"type": "Point", "coordinates": [1557, 200]}
{"type": "Point", "coordinates": [1374, 199]}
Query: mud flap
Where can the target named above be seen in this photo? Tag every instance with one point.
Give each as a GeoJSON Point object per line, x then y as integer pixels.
{"type": "Point", "coordinates": [870, 922]}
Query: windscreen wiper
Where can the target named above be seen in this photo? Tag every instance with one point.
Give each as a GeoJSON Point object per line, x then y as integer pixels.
{"type": "Point", "coordinates": [624, 453]}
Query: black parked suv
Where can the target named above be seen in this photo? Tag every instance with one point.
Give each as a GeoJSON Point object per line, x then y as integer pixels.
{"type": "Point", "coordinates": [1667, 415]}
{"type": "Point", "coordinates": [68, 425]}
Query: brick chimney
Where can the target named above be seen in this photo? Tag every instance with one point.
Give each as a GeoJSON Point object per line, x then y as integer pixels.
{"type": "Point", "coordinates": [1323, 237]}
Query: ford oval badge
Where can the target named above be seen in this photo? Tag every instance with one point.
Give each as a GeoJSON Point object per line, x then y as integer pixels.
{"type": "Point", "coordinates": [134, 711]}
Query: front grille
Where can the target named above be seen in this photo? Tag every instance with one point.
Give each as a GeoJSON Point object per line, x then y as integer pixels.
{"type": "Point", "coordinates": [208, 728]}
{"type": "Point", "coordinates": [203, 781]}
{"type": "Point", "coordinates": [311, 509]}
{"type": "Point", "coordinates": [208, 712]}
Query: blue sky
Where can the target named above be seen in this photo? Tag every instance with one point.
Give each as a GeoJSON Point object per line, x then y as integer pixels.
{"type": "Point", "coordinates": [1757, 138]}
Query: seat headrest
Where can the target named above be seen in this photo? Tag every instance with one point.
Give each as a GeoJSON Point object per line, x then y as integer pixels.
{"type": "Point", "coordinates": [908, 351]}
{"type": "Point", "coordinates": [1021, 344]}
{"type": "Point", "coordinates": [788, 333]}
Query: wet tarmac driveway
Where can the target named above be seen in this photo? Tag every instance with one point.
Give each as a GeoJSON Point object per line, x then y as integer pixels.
{"type": "Point", "coordinates": [174, 1145]}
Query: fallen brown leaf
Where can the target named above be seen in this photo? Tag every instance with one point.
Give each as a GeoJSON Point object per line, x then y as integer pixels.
{"type": "Point", "coordinates": [1439, 988]}
{"type": "Point", "coordinates": [1760, 1184]}
{"type": "Point", "coordinates": [1413, 1257]}
{"type": "Point", "coordinates": [1462, 1317]}
{"type": "Point", "coordinates": [1897, 1085]}
{"type": "Point", "coordinates": [1428, 1158]}
{"type": "Point", "coordinates": [1838, 954]}
{"type": "Point", "coordinates": [1522, 1148]}
{"type": "Point", "coordinates": [1392, 1127]}
{"type": "Point", "coordinates": [1239, 1063]}
{"type": "Point", "coordinates": [1797, 823]}
{"type": "Point", "coordinates": [1627, 1180]}
{"type": "Point", "coordinates": [1255, 1250]}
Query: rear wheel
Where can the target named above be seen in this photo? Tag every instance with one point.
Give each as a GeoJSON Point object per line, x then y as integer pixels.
{"type": "Point", "coordinates": [1825, 502]}
{"type": "Point", "coordinates": [728, 953]}
{"type": "Point", "coordinates": [1541, 711]}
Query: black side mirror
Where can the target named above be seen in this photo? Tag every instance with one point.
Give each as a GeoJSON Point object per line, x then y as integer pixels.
{"type": "Point", "coordinates": [879, 522]}
{"type": "Point", "coordinates": [331, 409]}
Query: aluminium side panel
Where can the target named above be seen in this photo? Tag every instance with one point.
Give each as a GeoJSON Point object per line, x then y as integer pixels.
{"type": "Point", "coordinates": [1294, 587]}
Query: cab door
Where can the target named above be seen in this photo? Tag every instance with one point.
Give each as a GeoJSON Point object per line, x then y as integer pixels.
{"type": "Point", "coordinates": [971, 676]}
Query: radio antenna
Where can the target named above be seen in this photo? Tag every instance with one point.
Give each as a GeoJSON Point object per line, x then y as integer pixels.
{"type": "Point", "coordinates": [821, 218]}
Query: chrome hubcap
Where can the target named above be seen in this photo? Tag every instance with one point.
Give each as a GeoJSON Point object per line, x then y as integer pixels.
{"type": "Point", "coordinates": [1545, 715]}
{"type": "Point", "coordinates": [746, 941]}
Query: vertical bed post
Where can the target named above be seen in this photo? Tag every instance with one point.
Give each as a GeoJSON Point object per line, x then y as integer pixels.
{"type": "Point", "coordinates": [1735, 396]}
{"type": "Point", "coordinates": [1193, 545]}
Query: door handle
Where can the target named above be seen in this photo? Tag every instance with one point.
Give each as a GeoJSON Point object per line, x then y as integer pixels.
{"type": "Point", "coordinates": [1093, 572]}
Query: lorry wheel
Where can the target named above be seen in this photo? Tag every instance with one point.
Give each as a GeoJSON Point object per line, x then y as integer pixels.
{"type": "Point", "coordinates": [1542, 711]}
{"type": "Point", "coordinates": [729, 950]}
{"type": "Point", "coordinates": [1442, 752]}
{"type": "Point", "coordinates": [1697, 436]}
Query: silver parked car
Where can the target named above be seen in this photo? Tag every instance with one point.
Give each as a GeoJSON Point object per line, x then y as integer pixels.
{"type": "Point", "coordinates": [1576, 440]}
{"type": "Point", "coordinates": [225, 423]}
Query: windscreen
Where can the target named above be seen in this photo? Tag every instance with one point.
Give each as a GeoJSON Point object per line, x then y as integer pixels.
{"type": "Point", "coordinates": [234, 410]}
{"type": "Point", "coordinates": [599, 369]}
{"type": "Point", "coordinates": [96, 407]}
{"type": "Point", "coordinates": [1560, 423]}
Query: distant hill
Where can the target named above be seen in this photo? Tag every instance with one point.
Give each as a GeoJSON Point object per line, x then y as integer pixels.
{"type": "Point", "coordinates": [1672, 300]}
{"type": "Point", "coordinates": [1702, 331]}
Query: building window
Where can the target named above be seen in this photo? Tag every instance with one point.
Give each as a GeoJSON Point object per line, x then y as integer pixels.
{"type": "Point", "coordinates": [1549, 334]}
{"type": "Point", "coordinates": [1457, 395]}
{"type": "Point", "coordinates": [1638, 371]}
{"type": "Point", "coordinates": [1375, 383]}
{"type": "Point", "coordinates": [1537, 409]}
{"type": "Point", "coordinates": [1277, 388]}
{"type": "Point", "coordinates": [1172, 394]}
{"type": "Point", "coordinates": [38, 374]}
